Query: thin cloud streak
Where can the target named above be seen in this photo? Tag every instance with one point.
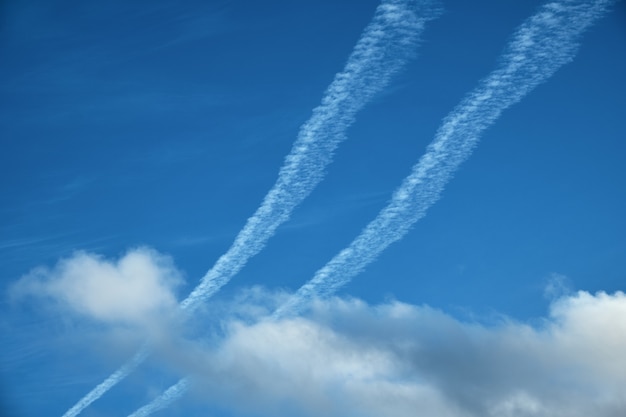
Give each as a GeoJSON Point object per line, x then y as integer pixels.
{"type": "Point", "coordinates": [384, 47]}
{"type": "Point", "coordinates": [164, 400]}
{"type": "Point", "coordinates": [540, 46]}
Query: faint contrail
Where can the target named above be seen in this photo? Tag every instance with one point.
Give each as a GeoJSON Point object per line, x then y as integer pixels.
{"type": "Point", "coordinates": [100, 389]}
{"type": "Point", "coordinates": [164, 400]}
{"type": "Point", "coordinates": [540, 46]}
{"type": "Point", "coordinates": [383, 48]}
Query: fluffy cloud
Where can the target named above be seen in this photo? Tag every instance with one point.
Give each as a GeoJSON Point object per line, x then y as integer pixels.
{"type": "Point", "coordinates": [351, 359]}
{"type": "Point", "coordinates": [134, 290]}
{"type": "Point", "coordinates": [348, 358]}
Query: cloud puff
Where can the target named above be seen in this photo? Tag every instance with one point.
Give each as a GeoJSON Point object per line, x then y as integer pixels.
{"type": "Point", "coordinates": [351, 359]}
{"type": "Point", "coordinates": [132, 290]}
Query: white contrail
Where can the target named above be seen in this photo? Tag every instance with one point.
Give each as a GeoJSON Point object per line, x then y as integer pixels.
{"type": "Point", "coordinates": [541, 45]}
{"type": "Point", "coordinates": [383, 48]}
{"type": "Point", "coordinates": [100, 389]}
{"type": "Point", "coordinates": [164, 400]}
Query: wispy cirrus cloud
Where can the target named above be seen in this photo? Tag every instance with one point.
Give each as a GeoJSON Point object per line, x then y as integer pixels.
{"type": "Point", "coordinates": [46, 90]}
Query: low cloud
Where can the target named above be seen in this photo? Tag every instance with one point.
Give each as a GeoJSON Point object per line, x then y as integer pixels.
{"type": "Point", "coordinates": [350, 358]}
{"type": "Point", "coordinates": [135, 290]}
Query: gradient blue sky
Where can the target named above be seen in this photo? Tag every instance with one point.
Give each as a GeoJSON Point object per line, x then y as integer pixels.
{"type": "Point", "coordinates": [163, 124]}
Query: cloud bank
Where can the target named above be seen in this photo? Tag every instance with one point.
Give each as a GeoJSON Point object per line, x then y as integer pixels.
{"type": "Point", "coordinates": [348, 358]}
{"type": "Point", "coordinates": [135, 290]}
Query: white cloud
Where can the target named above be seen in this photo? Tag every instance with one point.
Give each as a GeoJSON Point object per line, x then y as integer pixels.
{"type": "Point", "coordinates": [136, 289]}
{"type": "Point", "coordinates": [351, 359]}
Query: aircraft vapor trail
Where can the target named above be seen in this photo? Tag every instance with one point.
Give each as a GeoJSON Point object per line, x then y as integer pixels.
{"type": "Point", "coordinates": [100, 389]}
{"type": "Point", "coordinates": [539, 47]}
{"type": "Point", "coordinates": [164, 400]}
{"type": "Point", "coordinates": [384, 47]}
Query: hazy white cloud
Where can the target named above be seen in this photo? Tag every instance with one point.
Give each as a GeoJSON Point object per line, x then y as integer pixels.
{"type": "Point", "coordinates": [136, 289]}
{"type": "Point", "coordinates": [351, 359]}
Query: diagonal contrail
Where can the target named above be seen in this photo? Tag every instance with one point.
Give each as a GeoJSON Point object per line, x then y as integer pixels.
{"type": "Point", "coordinates": [540, 46]}
{"type": "Point", "coordinates": [164, 400]}
{"type": "Point", "coordinates": [383, 48]}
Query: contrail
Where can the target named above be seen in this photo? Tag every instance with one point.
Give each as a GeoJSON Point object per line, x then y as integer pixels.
{"type": "Point", "coordinates": [383, 48]}
{"type": "Point", "coordinates": [164, 400]}
{"type": "Point", "coordinates": [100, 389]}
{"type": "Point", "coordinates": [540, 46]}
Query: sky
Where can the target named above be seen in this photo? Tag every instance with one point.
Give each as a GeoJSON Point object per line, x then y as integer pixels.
{"type": "Point", "coordinates": [142, 140]}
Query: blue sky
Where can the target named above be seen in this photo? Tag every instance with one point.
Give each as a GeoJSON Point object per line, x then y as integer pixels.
{"type": "Point", "coordinates": [151, 131]}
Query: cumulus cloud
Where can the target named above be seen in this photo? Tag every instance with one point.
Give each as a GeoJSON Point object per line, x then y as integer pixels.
{"type": "Point", "coordinates": [348, 358]}
{"type": "Point", "coordinates": [135, 289]}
